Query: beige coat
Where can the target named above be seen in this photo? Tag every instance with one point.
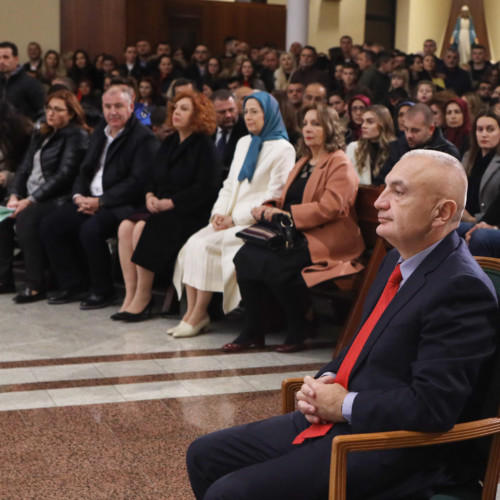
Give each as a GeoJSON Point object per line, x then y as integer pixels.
{"type": "Point", "coordinates": [326, 217]}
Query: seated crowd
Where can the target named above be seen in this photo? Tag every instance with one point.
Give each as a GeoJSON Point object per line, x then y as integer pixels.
{"type": "Point", "coordinates": [151, 150]}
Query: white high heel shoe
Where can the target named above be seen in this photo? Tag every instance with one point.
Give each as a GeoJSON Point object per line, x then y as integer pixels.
{"type": "Point", "coordinates": [182, 324]}
{"type": "Point", "coordinates": [191, 331]}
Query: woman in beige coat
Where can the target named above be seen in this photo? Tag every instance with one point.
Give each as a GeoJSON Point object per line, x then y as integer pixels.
{"type": "Point", "coordinates": [260, 167]}
{"type": "Point", "coordinates": [319, 196]}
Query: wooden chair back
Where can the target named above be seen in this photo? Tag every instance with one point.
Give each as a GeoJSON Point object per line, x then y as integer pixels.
{"type": "Point", "coordinates": [367, 216]}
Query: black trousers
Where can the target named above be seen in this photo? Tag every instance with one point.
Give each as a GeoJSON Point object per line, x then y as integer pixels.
{"type": "Point", "coordinates": [259, 461]}
{"type": "Point", "coordinates": [27, 229]}
{"type": "Point", "coordinates": [294, 298]}
{"type": "Point", "coordinates": [69, 237]}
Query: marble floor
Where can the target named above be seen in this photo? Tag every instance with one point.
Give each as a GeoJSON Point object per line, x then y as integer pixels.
{"type": "Point", "coordinates": [95, 409]}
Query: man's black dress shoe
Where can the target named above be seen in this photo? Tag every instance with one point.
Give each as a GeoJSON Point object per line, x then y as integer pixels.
{"type": "Point", "coordinates": [28, 295]}
{"type": "Point", "coordinates": [97, 301]}
{"type": "Point", "coordinates": [65, 296]}
{"type": "Point", "coordinates": [7, 288]}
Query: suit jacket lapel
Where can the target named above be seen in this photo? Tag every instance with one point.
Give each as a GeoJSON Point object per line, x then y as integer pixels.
{"type": "Point", "coordinates": [490, 170]}
{"type": "Point", "coordinates": [315, 178]}
{"type": "Point", "coordinates": [414, 283]}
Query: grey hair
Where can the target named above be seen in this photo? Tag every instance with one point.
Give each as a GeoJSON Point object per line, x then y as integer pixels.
{"type": "Point", "coordinates": [124, 90]}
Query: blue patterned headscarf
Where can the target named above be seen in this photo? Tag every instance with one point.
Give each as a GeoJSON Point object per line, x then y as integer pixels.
{"type": "Point", "coordinates": [273, 129]}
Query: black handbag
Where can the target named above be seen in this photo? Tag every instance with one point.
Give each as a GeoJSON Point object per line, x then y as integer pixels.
{"type": "Point", "coordinates": [275, 234]}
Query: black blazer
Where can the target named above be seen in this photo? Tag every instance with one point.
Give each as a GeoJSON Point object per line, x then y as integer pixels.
{"type": "Point", "coordinates": [60, 160]}
{"type": "Point", "coordinates": [187, 173]}
{"type": "Point", "coordinates": [128, 161]}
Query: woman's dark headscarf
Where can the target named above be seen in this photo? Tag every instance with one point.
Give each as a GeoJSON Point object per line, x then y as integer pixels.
{"type": "Point", "coordinates": [354, 127]}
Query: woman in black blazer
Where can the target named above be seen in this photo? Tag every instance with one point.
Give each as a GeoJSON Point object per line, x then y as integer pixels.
{"type": "Point", "coordinates": [43, 182]}
{"type": "Point", "coordinates": [180, 194]}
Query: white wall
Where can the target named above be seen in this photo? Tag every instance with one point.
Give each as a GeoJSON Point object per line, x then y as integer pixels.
{"type": "Point", "coordinates": [329, 20]}
{"type": "Point", "coordinates": [414, 23]}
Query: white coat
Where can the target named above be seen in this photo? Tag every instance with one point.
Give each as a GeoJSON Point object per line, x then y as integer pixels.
{"type": "Point", "coordinates": [364, 171]}
{"type": "Point", "coordinates": [276, 160]}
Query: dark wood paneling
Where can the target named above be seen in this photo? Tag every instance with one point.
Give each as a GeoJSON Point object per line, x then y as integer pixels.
{"type": "Point", "coordinates": [93, 25]}
{"type": "Point", "coordinates": [189, 22]}
{"type": "Point", "coordinates": [380, 22]}
{"type": "Point", "coordinates": [107, 25]}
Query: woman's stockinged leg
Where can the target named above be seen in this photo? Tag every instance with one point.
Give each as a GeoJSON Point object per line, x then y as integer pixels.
{"type": "Point", "coordinates": [200, 308]}
{"type": "Point", "coordinates": [143, 291]}
{"type": "Point", "coordinates": [191, 293]}
{"type": "Point", "coordinates": [129, 269]}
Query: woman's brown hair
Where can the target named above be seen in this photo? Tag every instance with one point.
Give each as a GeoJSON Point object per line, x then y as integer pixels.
{"type": "Point", "coordinates": [333, 128]}
{"type": "Point", "coordinates": [203, 119]}
{"type": "Point", "coordinates": [74, 109]}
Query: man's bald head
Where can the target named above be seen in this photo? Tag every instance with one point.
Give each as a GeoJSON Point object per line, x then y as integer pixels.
{"type": "Point", "coordinates": [314, 92]}
{"type": "Point", "coordinates": [447, 175]}
{"type": "Point", "coordinates": [423, 200]}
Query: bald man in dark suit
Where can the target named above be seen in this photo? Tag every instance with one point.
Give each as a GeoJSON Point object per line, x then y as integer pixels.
{"type": "Point", "coordinates": [417, 369]}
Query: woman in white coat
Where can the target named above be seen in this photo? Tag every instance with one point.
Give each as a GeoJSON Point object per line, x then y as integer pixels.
{"type": "Point", "coordinates": [260, 167]}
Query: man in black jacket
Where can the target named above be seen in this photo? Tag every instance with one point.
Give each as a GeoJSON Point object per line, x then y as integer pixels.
{"type": "Point", "coordinates": [420, 133]}
{"type": "Point", "coordinates": [456, 78]}
{"type": "Point", "coordinates": [198, 69]}
{"type": "Point", "coordinates": [25, 93]}
{"type": "Point", "coordinates": [230, 128]}
{"type": "Point", "coordinates": [109, 188]}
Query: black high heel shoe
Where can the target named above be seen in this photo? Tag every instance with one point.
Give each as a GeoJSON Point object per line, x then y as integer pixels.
{"type": "Point", "coordinates": [146, 313]}
{"type": "Point", "coordinates": [117, 316]}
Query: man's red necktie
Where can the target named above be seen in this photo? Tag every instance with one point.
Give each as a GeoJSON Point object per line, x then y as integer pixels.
{"type": "Point", "coordinates": [342, 377]}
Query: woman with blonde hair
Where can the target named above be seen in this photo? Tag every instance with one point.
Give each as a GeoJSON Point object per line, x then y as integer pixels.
{"type": "Point", "coordinates": [369, 153]}
{"type": "Point", "coordinates": [282, 75]}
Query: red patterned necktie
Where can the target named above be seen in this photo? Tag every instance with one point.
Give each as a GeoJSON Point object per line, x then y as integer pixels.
{"type": "Point", "coordinates": [342, 377]}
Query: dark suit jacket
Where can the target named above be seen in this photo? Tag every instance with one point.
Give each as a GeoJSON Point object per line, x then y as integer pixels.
{"type": "Point", "coordinates": [237, 133]}
{"type": "Point", "coordinates": [128, 161]}
{"type": "Point", "coordinates": [419, 366]}
{"type": "Point", "coordinates": [137, 71]}
{"type": "Point", "coordinates": [193, 73]}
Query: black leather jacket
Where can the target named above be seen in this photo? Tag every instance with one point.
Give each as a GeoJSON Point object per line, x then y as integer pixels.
{"type": "Point", "coordinates": [60, 159]}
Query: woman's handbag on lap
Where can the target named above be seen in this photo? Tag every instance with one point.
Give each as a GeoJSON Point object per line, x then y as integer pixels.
{"type": "Point", "coordinates": [275, 234]}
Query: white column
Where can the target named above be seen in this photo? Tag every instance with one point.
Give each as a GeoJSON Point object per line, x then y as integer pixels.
{"type": "Point", "coordinates": [297, 22]}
